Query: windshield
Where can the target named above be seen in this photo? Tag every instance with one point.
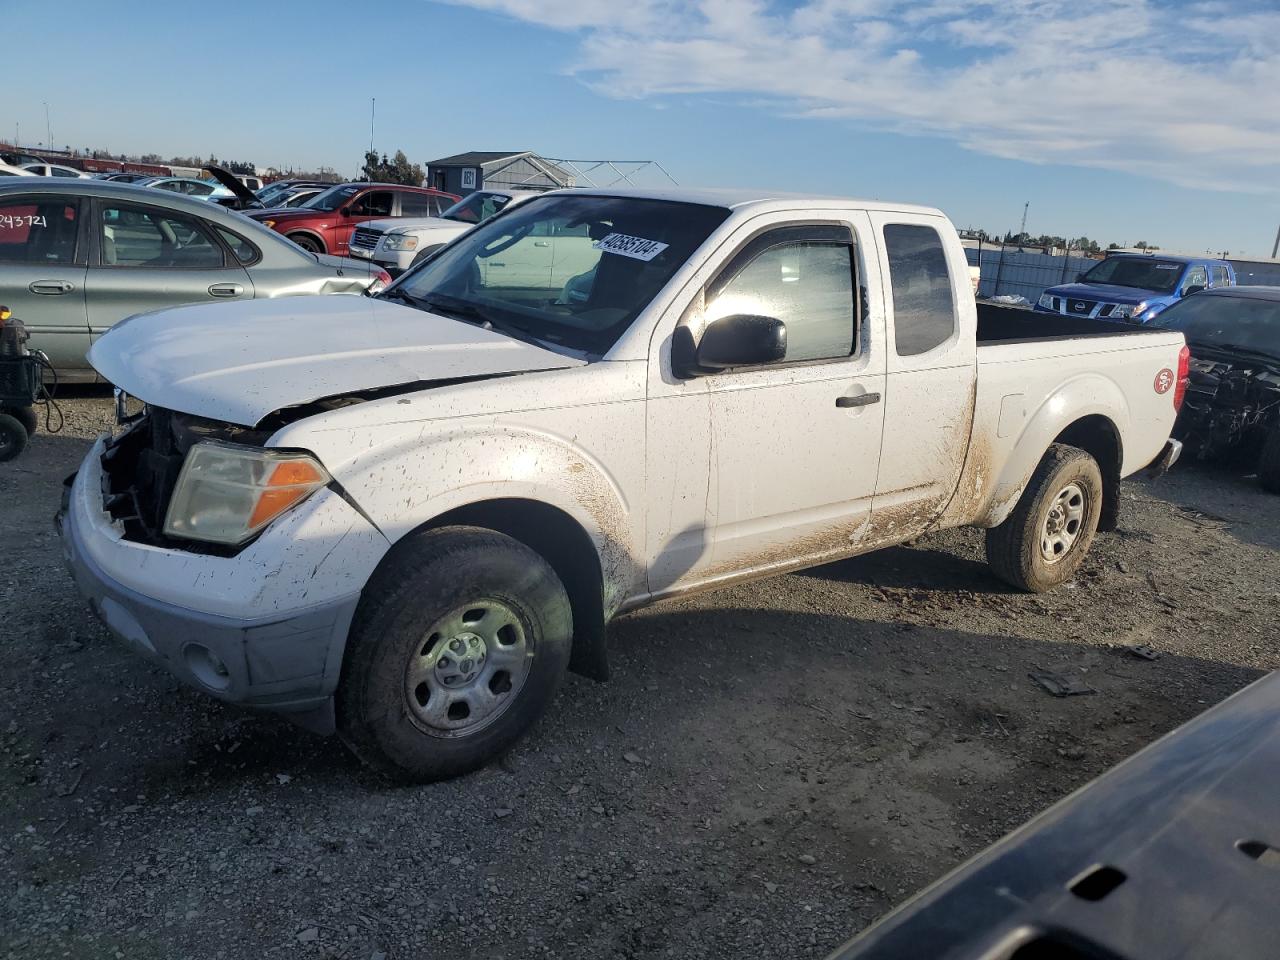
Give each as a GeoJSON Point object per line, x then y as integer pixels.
{"type": "Point", "coordinates": [477, 207]}
{"type": "Point", "coordinates": [571, 271]}
{"type": "Point", "coordinates": [333, 198]}
{"type": "Point", "coordinates": [1144, 273]}
{"type": "Point", "coordinates": [1222, 321]}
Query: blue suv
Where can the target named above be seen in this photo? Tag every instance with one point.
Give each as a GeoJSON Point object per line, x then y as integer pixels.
{"type": "Point", "coordinates": [1134, 287]}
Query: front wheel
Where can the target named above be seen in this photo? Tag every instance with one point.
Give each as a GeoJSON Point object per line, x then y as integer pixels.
{"type": "Point", "coordinates": [424, 253]}
{"type": "Point", "coordinates": [457, 647]}
{"type": "Point", "coordinates": [1269, 464]}
{"type": "Point", "coordinates": [1044, 541]}
{"type": "Point", "coordinates": [25, 416]}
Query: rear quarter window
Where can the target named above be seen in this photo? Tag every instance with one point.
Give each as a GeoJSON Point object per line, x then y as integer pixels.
{"type": "Point", "coordinates": [924, 314]}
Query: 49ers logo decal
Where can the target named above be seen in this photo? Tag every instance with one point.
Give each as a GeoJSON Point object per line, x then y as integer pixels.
{"type": "Point", "coordinates": [1164, 381]}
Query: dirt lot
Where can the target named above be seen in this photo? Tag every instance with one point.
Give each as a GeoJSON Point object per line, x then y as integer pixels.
{"type": "Point", "coordinates": [773, 767]}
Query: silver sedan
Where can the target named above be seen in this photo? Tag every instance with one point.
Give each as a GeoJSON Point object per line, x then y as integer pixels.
{"type": "Point", "coordinates": [77, 256]}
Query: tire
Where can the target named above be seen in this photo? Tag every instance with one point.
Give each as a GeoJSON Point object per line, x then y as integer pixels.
{"type": "Point", "coordinates": [1057, 514]}
{"type": "Point", "coordinates": [1269, 462]}
{"type": "Point", "coordinates": [424, 253]}
{"type": "Point", "coordinates": [13, 437]}
{"type": "Point", "coordinates": [25, 416]}
{"type": "Point", "coordinates": [427, 692]}
{"type": "Point", "coordinates": [307, 242]}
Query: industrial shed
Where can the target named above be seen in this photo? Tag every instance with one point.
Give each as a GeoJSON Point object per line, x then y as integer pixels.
{"type": "Point", "coordinates": [523, 170]}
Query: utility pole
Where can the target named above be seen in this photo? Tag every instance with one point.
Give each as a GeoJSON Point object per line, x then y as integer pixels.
{"type": "Point", "coordinates": [1025, 207]}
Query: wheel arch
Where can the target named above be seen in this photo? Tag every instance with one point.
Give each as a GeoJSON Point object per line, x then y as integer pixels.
{"type": "Point", "coordinates": [565, 544]}
{"type": "Point", "coordinates": [1099, 437]}
{"type": "Point", "coordinates": [310, 234]}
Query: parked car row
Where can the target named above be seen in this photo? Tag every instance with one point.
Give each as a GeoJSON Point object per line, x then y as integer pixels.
{"type": "Point", "coordinates": [78, 256]}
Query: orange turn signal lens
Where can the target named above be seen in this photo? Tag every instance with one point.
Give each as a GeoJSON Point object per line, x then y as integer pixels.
{"type": "Point", "coordinates": [290, 481]}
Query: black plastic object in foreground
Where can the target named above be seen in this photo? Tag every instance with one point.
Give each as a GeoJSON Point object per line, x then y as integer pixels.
{"type": "Point", "coordinates": [1172, 855]}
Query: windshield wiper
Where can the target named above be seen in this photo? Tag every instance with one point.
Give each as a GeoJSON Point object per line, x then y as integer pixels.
{"type": "Point", "coordinates": [395, 293]}
{"type": "Point", "coordinates": [468, 312]}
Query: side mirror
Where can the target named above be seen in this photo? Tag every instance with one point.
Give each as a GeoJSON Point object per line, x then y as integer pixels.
{"type": "Point", "coordinates": [740, 340]}
{"type": "Point", "coordinates": [1192, 289]}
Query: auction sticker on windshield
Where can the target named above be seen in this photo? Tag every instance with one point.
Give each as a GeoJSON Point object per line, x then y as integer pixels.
{"type": "Point", "coordinates": [637, 248]}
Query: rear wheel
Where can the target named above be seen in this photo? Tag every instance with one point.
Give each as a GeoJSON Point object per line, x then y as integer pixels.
{"type": "Point", "coordinates": [13, 437]}
{"type": "Point", "coordinates": [1269, 464]}
{"type": "Point", "coordinates": [25, 416]}
{"type": "Point", "coordinates": [307, 242]}
{"type": "Point", "coordinates": [457, 647]}
{"type": "Point", "coordinates": [1045, 539]}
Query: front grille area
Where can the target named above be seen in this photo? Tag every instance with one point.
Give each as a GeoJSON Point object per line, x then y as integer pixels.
{"type": "Point", "coordinates": [140, 466]}
{"type": "Point", "coordinates": [365, 239]}
{"type": "Point", "coordinates": [1080, 308]}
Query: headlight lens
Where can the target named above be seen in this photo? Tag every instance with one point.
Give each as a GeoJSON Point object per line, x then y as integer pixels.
{"type": "Point", "coordinates": [1046, 301]}
{"type": "Point", "coordinates": [398, 241]}
{"type": "Point", "coordinates": [268, 224]}
{"type": "Point", "coordinates": [1123, 310]}
{"type": "Point", "coordinates": [226, 492]}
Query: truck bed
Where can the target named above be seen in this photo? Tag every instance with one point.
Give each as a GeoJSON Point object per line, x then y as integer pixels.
{"type": "Point", "coordinates": [1000, 324]}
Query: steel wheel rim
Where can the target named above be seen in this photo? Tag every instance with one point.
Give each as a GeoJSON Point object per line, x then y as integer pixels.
{"type": "Point", "coordinates": [1063, 523]}
{"type": "Point", "coordinates": [468, 668]}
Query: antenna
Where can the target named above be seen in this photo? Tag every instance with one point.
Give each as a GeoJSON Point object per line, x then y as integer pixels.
{"type": "Point", "coordinates": [48, 130]}
{"type": "Point", "coordinates": [373, 116]}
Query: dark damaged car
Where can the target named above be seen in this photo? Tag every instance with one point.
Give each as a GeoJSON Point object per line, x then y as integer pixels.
{"type": "Point", "coordinates": [1232, 407]}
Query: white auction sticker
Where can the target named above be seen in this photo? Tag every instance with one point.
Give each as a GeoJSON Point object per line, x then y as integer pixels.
{"type": "Point", "coordinates": [637, 248]}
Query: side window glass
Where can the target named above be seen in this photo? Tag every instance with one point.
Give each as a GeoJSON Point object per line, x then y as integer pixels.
{"type": "Point", "coordinates": [376, 204]}
{"type": "Point", "coordinates": [924, 315]}
{"type": "Point", "coordinates": [1196, 277]}
{"type": "Point", "coordinates": [806, 285]}
{"type": "Point", "coordinates": [139, 237]}
{"type": "Point", "coordinates": [37, 230]}
{"type": "Point", "coordinates": [418, 205]}
{"type": "Point", "coordinates": [244, 251]}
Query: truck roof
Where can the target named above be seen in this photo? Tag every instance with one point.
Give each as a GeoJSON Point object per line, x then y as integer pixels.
{"type": "Point", "coordinates": [739, 199]}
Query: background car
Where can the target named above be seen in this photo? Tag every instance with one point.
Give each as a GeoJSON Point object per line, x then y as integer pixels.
{"type": "Point", "coordinates": [1232, 407]}
{"type": "Point", "coordinates": [396, 245]}
{"type": "Point", "coordinates": [125, 177]}
{"type": "Point", "coordinates": [55, 170]}
{"type": "Point", "coordinates": [186, 186]}
{"type": "Point", "coordinates": [324, 223]}
{"type": "Point", "coordinates": [77, 256]}
{"type": "Point", "coordinates": [8, 170]}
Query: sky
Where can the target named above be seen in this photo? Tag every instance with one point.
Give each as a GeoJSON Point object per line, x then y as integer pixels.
{"type": "Point", "coordinates": [1123, 120]}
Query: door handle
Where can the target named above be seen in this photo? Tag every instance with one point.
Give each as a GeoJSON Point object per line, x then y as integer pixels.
{"type": "Point", "coordinates": [542, 243]}
{"type": "Point", "coordinates": [51, 288]}
{"type": "Point", "coordinates": [497, 263]}
{"type": "Point", "coordinates": [226, 290]}
{"type": "Point", "coordinates": [862, 400]}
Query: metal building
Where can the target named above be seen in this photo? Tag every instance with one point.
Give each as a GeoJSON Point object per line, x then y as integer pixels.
{"type": "Point", "coordinates": [523, 170]}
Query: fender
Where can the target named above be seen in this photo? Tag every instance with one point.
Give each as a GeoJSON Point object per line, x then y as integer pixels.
{"type": "Point", "coordinates": [1085, 395]}
{"type": "Point", "coordinates": [407, 484]}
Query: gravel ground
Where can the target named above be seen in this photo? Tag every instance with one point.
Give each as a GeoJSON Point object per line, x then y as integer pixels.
{"type": "Point", "coordinates": [773, 767]}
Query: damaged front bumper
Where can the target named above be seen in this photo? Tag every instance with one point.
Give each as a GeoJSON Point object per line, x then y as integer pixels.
{"type": "Point", "coordinates": [257, 650]}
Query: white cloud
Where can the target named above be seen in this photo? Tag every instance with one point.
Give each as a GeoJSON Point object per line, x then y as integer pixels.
{"type": "Point", "coordinates": [1187, 94]}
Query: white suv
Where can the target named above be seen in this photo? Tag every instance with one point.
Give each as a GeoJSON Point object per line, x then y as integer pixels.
{"type": "Point", "coordinates": [399, 243]}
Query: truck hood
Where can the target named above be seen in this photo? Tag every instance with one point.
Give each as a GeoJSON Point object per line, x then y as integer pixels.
{"type": "Point", "coordinates": [238, 362]}
{"type": "Point", "coordinates": [1106, 292]}
{"type": "Point", "coordinates": [415, 224]}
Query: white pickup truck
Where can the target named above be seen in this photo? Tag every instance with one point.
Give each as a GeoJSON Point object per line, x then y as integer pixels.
{"type": "Point", "coordinates": [405, 516]}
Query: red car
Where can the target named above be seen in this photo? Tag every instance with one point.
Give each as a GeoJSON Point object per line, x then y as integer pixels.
{"type": "Point", "coordinates": [324, 224]}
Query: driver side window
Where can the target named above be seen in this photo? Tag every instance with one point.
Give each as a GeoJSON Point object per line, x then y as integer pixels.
{"type": "Point", "coordinates": [1196, 277]}
{"type": "Point", "coordinates": [143, 237]}
{"type": "Point", "coordinates": [375, 204]}
{"type": "Point", "coordinates": [806, 282]}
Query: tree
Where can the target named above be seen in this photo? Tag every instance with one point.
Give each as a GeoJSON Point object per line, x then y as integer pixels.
{"type": "Point", "coordinates": [396, 170]}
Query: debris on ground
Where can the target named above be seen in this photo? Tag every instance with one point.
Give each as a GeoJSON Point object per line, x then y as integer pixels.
{"type": "Point", "coordinates": [1059, 685]}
